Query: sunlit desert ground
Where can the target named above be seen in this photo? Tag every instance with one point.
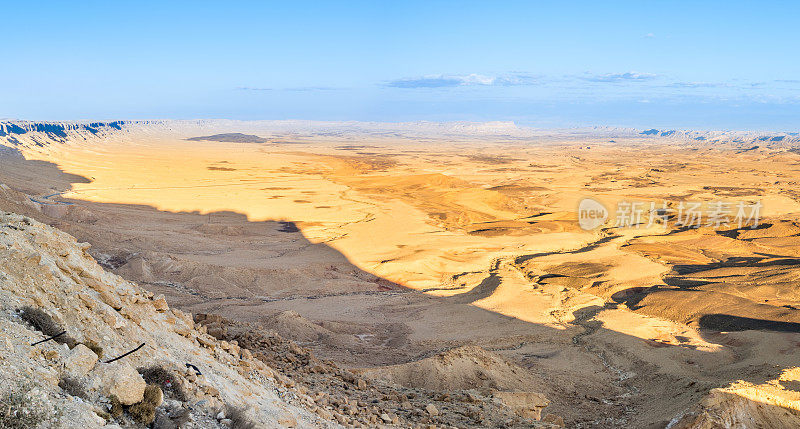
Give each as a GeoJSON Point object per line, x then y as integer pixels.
{"type": "Point", "coordinates": [386, 249]}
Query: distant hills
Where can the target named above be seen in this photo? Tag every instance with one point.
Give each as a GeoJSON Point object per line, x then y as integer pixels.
{"type": "Point", "coordinates": [33, 133]}
{"type": "Point", "coordinates": [725, 136]}
{"type": "Point", "coordinates": [230, 138]}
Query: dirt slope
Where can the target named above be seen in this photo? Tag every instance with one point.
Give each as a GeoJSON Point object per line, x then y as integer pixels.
{"type": "Point", "coordinates": [47, 270]}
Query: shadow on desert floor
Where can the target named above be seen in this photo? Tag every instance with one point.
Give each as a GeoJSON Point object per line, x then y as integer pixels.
{"type": "Point", "coordinates": [258, 271]}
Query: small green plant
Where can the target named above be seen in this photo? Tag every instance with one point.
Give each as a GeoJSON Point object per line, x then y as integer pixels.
{"type": "Point", "coordinates": [19, 409]}
{"type": "Point", "coordinates": [42, 322]}
{"type": "Point", "coordinates": [73, 387]}
{"type": "Point", "coordinates": [238, 417]}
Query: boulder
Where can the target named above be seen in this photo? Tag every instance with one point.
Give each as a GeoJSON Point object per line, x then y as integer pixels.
{"type": "Point", "coordinates": [524, 404]}
{"type": "Point", "coordinates": [80, 361]}
{"type": "Point", "coordinates": [121, 380]}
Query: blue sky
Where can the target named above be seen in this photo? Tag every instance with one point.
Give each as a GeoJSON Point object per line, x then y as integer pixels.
{"type": "Point", "coordinates": [664, 64]}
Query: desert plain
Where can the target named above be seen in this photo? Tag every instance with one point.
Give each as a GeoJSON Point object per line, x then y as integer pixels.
{"type": "Point", "coordinates": [450, 257]}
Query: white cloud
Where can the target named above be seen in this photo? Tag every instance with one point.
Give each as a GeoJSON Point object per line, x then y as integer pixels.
{"type": "Point", "coordinates": [619, 77]}
{"type": "Point", "coordinates": [474, 79]}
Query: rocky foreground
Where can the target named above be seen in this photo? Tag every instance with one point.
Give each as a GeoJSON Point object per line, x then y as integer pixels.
{"type": "Point", "coordinates": [66, 382]}
{"type": "Point", "coordinates": [180, 371]}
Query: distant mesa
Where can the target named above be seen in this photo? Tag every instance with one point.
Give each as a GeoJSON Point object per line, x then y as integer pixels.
{"type": "Point", "coordinates": [55, 130]}
{"type": "Point", "coordinates": [740, 137]}
{"type": "Point", "coordinates": [230, 138]}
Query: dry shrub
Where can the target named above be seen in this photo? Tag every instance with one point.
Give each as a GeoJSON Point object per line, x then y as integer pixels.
{"type": "Point", "coordinates": [20, 410]}
{"type": "Point", "coordinates": [116, 407]}
{"type": "Point", "coordinates": [142, 412]}
{"type": "Point", "coordinates": [145, 412]}
{"type": "Point", "coordinates": [42, 322]}
{"type": "Point", "coordinates": [153, 395]}
{"type": "Point", "coordinates": [73, 387]}
{"type": "Point", "coordinates": [102, 414]}
{"type": "Point", "coordinates": [169, 383]}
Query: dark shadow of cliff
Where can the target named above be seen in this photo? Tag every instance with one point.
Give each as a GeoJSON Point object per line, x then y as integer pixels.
{"type": "Point", "coordinates": [200, 238]}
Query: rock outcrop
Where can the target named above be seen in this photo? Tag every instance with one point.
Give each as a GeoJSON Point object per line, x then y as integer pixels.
{"type": "Point", "coordinates": [47, 272]}
{"type": "Point", "coordinates": [774, 404]}
{"type": "Point", "coordinates": [352, 398]}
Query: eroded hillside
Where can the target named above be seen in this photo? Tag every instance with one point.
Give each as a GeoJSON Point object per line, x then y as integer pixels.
{"type": "Point", "coordinates": [45, 270]}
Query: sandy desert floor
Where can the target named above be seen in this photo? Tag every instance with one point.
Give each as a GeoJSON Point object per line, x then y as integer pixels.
{"type": "Point", "coordinates": [381, 253]}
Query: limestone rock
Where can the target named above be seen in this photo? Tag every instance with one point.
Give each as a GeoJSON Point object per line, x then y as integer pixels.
{"type": "Point", "coordinates": [432, 410]}
{"type": "Point", "coordinates": [121, 380]}
{"type": "Point", "coordinates": [80, 360]}
{"type": "Point", "coordinates": [554, 419]}
{"type": "Point", "coordinates": [160, 303]}
{"type": "Point", "coordinates": [524, 404]}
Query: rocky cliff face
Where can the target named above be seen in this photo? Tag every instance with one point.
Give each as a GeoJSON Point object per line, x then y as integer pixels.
{"type": "Point", "coordinates": [15, 133]}
{"type": "Point", "coordinates": [180, 376]}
